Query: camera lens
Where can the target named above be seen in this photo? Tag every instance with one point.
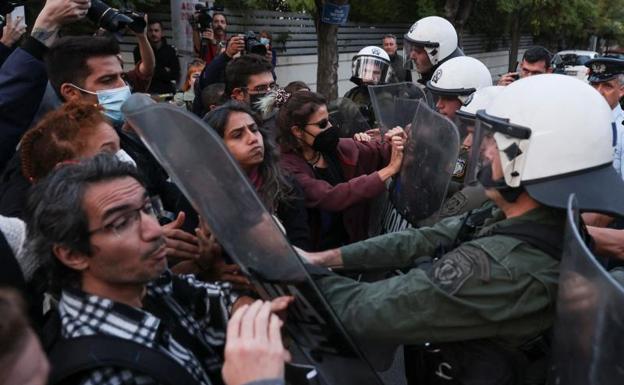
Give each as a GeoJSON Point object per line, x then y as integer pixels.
{"type": "Point", "coordinates": [106, 17]}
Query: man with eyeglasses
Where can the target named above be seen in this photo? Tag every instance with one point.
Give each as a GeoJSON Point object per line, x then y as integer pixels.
{"type": "Point", "coordinates": [248, 78]}
{"type": "Point", "coordinates": [93, 225]}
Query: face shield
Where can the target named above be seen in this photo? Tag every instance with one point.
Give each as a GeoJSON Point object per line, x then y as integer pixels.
{"type": "Point", "coordinates": [497, 146]}
{"type": "Point", "coordinates": [371, 70]}
{"type": "Point", "coordinates": [423, 47]}
{"type": "Point", "coordinates": [465, 123]}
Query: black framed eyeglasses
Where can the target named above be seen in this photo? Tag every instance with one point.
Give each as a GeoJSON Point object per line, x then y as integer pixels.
{"type": "Point", "coordinates": [264, 88]}
{"type": "Point", "coordinates": [126, 221]}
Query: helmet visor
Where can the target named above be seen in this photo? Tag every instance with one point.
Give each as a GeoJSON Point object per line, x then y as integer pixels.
{"type": "Point", "coordinates": [418, 47]}
{"type": "Point", "coordinates": [466, 127]}
{"type": "Point", "coordinates": [483, 143]}
{"type": "Point", "coordinates": [480, 138]}
{"type": "Point", "coordinates": [371, 70]}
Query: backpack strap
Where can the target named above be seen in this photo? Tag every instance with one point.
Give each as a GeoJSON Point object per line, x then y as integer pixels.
{"type": "Point", "coordinates": [73, 358]}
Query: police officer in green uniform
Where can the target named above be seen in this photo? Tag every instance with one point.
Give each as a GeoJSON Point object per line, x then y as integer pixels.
{"type": "Point", "coordinates": [488, 297]}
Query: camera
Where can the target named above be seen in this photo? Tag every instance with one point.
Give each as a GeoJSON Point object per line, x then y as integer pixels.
{"type": "Point", "coordinates": [253, 44]}
{"type": "Point", "coordinates": [203, 19]}
{"type": "Point", "coordinates": [7, 7]}
{"type": "Point", "coordinates": [114, 20]}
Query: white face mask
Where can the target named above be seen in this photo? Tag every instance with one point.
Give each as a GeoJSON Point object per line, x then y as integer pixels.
{"type": "Point", "coordinates": [124, 157]}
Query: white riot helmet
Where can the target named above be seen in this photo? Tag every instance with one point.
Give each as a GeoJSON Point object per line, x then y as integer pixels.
{"type": "Point", "coordinates": [435, 34]}
{"type": "Point", "coordinates": [461, 77]}
{"type": "Point", "coordinates": [554, 136]}
{"type": "Point", "coordinates": [370, 66]}
{"type": "Point", "coordinates": [479, 100]}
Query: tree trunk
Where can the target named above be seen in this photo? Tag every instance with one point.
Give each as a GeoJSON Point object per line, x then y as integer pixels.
{"type": "Point", "coordinates": [457, 12]}
{"type": "Point", "coordinates": [462, 17]}
{"type": "Point", "coordinates": [327, 49]}
{"type": "Point", "coordinates": [515, 41]}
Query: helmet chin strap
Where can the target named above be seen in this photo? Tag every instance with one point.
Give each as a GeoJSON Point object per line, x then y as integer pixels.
{"type": "Point", "coordinates": [510, 194]}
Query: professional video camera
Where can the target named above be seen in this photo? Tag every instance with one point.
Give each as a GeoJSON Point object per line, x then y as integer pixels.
{"type": "Point", "coordinates": [253, 44]}
{"type": "Point", "coordinates": [113, 19]}
{"type": "Point", "coordinates": [202, 20]}
{"type": "Point", "coordinates": [7, 7]}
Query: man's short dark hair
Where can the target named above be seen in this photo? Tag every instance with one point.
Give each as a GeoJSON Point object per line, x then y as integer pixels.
{"type": "Point", "coordinates": [390, 36]}
{"type": "Point", "coordinates": [155, 21]}
{"type": "Point", "coordinates": [67, 58]}
{"type": "Point", "coordinates": [220, 13]}
{"type": "Point", "coordinates": [239, 70]}
{"type": "Point", "coordinates": [55, 213]}
{"type": "Point", "coordinates": [212, 95]}
{"type": "Point", "coordinates": [536, 54]}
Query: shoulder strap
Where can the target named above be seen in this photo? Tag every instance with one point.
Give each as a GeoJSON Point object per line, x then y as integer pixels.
{"type": "Point", "coordinates": [546, 238]}
{"type": "Point", "coordinates": [76, 356]}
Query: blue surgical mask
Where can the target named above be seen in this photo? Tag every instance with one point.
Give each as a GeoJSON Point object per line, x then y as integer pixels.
{"type": "Point", "coordinates": [111, 101]}
{"type": "Point", "coordinates": [265, 41]}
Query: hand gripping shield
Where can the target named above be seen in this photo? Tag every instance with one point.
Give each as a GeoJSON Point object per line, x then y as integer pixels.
{"type": "Point", "coordinates": [588, 344]}
{"type": "Point", "coordinates": [395, 104]}
{"type": "Point", "coordinates": [419, 190]}
{"type": "Point", "coordinates": [199, 163]}
{"type": "Point", "coordinates": [428, 163]}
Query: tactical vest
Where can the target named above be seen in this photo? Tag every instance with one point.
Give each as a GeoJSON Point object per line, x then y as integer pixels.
{"type": "Point", "coordinates": [484, 362]}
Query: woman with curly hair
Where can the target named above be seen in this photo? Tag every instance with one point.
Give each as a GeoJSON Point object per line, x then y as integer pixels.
{"type": "Point", "coordinates": [257, 156]}
{"type": "Point", "coordinates": [75, 130]}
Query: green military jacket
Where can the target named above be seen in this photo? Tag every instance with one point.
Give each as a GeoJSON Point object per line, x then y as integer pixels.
{"type": "Point", "coordinates": [492, 287]}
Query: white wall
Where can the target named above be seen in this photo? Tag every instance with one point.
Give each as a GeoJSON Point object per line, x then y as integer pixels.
{"type": "Point", "coordinates": [290, 68]}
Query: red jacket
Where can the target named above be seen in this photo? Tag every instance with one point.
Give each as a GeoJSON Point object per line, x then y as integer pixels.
{"type": "Point", "coordinates": [360, 162]}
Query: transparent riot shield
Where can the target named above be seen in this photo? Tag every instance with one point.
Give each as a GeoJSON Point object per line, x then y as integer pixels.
{"type": "Point", "coordinates": [428, 163]}
{"type": "Point", "coordinates": [589, 328]}
{"type": "Point", "coordinates": [345, 115]}
{"type": "Point", "coordinates": [199, 163]}
{"type": "Point", "coordinates": [395, 104]}
{"type": "Point", "coordinates": [429, 158]}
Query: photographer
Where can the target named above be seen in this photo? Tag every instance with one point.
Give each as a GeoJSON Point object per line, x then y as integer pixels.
{"type": "Point", "coordinates": [167, 71]}
{"type": "Point", "coordinates": [215, 71]}
{"type": "Point", "coordinates": [209, 40]}
{"type": "Point", "coordinates": [140, 77]}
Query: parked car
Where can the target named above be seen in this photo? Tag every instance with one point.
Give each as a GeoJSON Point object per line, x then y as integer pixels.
{"type": "Point", "coordinates": [572, 62]}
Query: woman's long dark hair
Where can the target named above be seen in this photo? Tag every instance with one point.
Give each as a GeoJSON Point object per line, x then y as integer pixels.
{"type": "Point", "coordinates": [275, 188]}
{"type": "Point", "coordinates": [296, 112]}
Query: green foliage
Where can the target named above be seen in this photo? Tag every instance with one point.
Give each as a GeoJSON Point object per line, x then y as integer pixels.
{"type": "Point", "coordinates": [372, 11]}
{"type": "Point", "coordinates": [389, 11]}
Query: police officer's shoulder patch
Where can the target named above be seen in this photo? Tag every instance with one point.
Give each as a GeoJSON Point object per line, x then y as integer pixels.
{"type": "Point", "coordinates": [454, 205]}
{"type": "Point", "coordinates": [451, 272]}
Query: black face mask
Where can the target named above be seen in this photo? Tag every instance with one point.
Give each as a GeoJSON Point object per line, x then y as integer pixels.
{"type": "Point", "coordinates": [326, 141]}
{"type": "Point", "coordinates": [510, 194]}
